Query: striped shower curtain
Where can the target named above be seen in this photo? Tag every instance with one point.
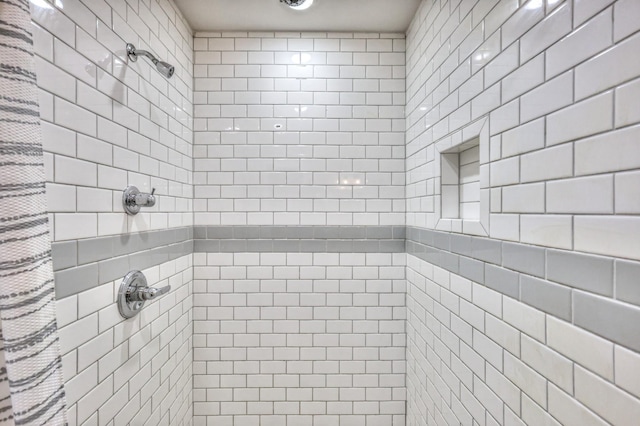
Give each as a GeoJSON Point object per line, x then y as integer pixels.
{"type": "Point", "coordinates": [31, 384]}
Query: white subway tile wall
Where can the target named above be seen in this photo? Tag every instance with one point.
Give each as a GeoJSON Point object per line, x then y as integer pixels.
{"type": "Point", "coordinates": [341, 129]}
{"type": "Point", "coordinates": [582, 146]}
{"type": "Point", "coordinates": [299, 339]}
{"type": "Point", "coordinates": [299, 129]}
{"type": "Point", "coordinates": [557, 80]}
{"type": "Point", "coordinates": [108, 123]}
{"type": "Point", "coordinates": [475, 356]}
{"type": "Point", "coordinates": [136, 371]}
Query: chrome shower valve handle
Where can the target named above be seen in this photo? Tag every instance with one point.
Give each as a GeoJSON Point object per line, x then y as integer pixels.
{"type": "Point", "coordinates": [134, 292]}
{"type": "Point", "coordinates": [147, 293]}
{"type": "Point", "coordinates": [133, 199]}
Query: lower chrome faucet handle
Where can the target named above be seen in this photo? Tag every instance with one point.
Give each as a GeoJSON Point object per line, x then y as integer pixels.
{"type": "Point", "coordinates": [151, 293]}
{"type": "Point", "coordinates": [147, 293]}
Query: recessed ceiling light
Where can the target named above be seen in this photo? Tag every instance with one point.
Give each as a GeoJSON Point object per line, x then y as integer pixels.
{"type": "Point", "coordinates": [298, 4]}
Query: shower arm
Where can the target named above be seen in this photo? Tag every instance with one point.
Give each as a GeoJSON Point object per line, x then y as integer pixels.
{"type": "Point", "coordinates": [163, 68]}
{"type": "Point", "coordinates": [133, 54]}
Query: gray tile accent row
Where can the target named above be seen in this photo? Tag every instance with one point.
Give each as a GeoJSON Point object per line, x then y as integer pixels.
{"type": "Point", "coordinates": [603, 316]}
{"type": "Point", "coordinates": [300, 239]}
{"type": "Point", "coordinates": [299, 246]}
{"type": "Point", "coordinates": [568, 285]}
{"type": "Point", "coordinates": [299, 232]}
{"type": "Point", "coordinates": [565, 284]}
{"type": "Point", "coordinates": [67, 254]}
{"type": "Point", "coordinates": [80, 265]}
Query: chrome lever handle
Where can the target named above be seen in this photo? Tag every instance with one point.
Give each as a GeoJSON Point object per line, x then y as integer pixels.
{"type": "Point", "coordinates": [133, 199]}
{"type": "Point", "coordinates": [147, 293]}
{"type": "Point", "coordinates": [134, 293]}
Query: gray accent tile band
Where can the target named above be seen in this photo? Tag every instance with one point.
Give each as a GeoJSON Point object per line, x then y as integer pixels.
{"type": "Point", "coordinates": [553, 281]}
{"type": "Point", "coordinates": [548, 279]}
{"type": "Point", "coordinates": [80, 265]}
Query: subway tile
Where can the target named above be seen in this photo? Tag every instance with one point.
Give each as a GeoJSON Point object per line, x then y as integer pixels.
{"type": "Point", "coordinates": [505, 227]}
{"type": "Point", "coordinates": [567, 410]}
{"type": "Point", "coordinates": [590, 273]}
{"type": "Point", "coordinates": [624, 25]}
{"type": "Point", "coordinates": [627, 103]}
{"type": "Point", "coordinates": [524, 138]}
{"type": "Point", "coordinates": [556, 368]}
{"type": "Point", "coordinates": [113, 269]}
{"type": "Point", "coordinates": [585, 9]}
{"type": "Point", "coordinates": [73, 171]}
{"type": "Point", "coordinates": [607, 318]}
{"type": "Point", "coordinates": [547, 230]}
{"type": "Point", "coordinates": [501, 64]}
{"type": "Point", "coordinates": [547, 164]}
{"type": "Point", "coordinates": [77, 333]}
{"type": "Point", "coordinates": [55, 22]}
{"type": "Point", "coordinates": [502, 280]}
{"type": "Point", "coordinates": [523, 79]}
{"type": "Point", "coordinates": [553, 27]}
{"type": "Point", "coordinates": [614, 151]}
{"type": "Point", "coordinates": [64, 255]}
{"type": "Point", "coordinates": [520, 22]}
{"type": "Point", "coordinates": [523, 258]}
{"type": "Point", "coordinates": [525, 198]}
{"type": "Point", "coordinates": [596, 393]}
{"type": "Point", "coordinates": [551, 96]}
{"type": "Point", "coordinates": [94, 249]}
{"type": "Point", "coordinates": [626, 370]}
{"type": "Point", "coordinates": [581, 195]}
{"type": "Point", "coordinates": [612, 67]}
{"type": "Point", "coordinates": [55, 80]}
{"type": "Point", "coordinates": [472, 269]}
{"type": "Point", "coordinates": [71, 226]}
{"type": "Point", "coordinates": [590, 351]}
{"type": "Point", "coordinates": [526, 378]}
{"type": "Point", "coordinates": [505, 172]}
{"type": "Point", "coordinates": [72, 117]}
{"type": "Point", "coordinates": [626, 281]}
{"type": "Point", "coordinates": [612, 236]}
{"type": "Point", "coordinates": [486, 250]}
{"type": "Point", "coordinates": [585, 118]}
{"type": "Point", "coordinates": [583, 43]}
{"type": "Point", "coordinates": [544, 295]}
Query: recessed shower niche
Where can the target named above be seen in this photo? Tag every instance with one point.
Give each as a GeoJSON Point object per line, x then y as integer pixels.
{"type": "Point", "coordinates": [463, 193]}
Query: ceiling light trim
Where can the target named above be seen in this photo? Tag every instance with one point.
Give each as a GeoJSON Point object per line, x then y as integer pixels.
{"type": "Point", "coordinates": [298, 4]}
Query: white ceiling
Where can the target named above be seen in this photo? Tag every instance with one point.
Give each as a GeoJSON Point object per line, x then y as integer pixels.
{"type": "Point", "coordinates": [324, 15]}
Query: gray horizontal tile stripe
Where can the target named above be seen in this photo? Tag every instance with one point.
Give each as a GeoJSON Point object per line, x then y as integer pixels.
{"type": "Point", "coordinates": [299, 232]}
{"type": "Point", "coordinates": [299, 246]}
{"type": "Point", "coordinates": [602, 316]}
{"type": "Point", "coordinates": [67, 254]}
{"type": "Point", "coordinates": [81, 265]}
{"type": "Point", "coordinates": [81, 278]}
{"type": "Point", "coordinates": [545, 278]}
{"type": "Point", "coordinates": [553, 281]}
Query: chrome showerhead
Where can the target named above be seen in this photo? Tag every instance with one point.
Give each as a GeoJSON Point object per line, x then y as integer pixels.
{"type": "Point", "coordinates": [163, 68]}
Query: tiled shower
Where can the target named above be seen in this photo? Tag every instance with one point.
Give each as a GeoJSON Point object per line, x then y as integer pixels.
{"type": "Point", "coordinates": [359, 229]}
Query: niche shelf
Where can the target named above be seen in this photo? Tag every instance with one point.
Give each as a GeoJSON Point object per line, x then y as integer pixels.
{"type": "Point", "coordinates": [463, 192]}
